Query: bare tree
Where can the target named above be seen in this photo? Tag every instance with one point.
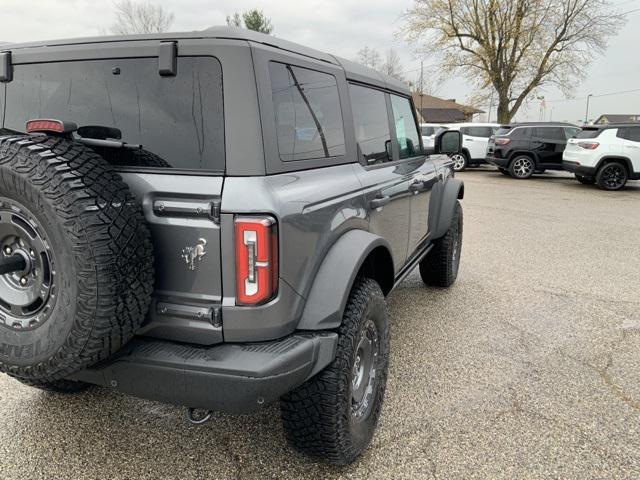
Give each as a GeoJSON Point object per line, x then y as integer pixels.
{"type": "Point", "coordinates": [391, 65]}
{"type": "Point", "coordinates": [514, 46]}
{"type": "Point", "coordinates": [369, 57]}
{"type": "Point", "coordinates": [142, 17]}
{"type": "Point", "coordinates": [253, 19]}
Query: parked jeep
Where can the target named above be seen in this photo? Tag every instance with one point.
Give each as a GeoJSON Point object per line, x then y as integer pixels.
{"type": "Point", "coordinates": [522, 149]}
{"type": "Point", "coordinates": [214, 220]}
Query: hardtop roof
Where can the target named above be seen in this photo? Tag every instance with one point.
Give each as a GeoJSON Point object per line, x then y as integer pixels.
{"type": "Point", "coordinates": [353, 70]}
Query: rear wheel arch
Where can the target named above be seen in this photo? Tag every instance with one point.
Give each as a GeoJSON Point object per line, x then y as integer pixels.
{"type": "Point", "coordinates": [357, 252]}
{"type": "Point", "coordinates": [525, 153]}
{"type": "Point", "coordinates": [610, 158]}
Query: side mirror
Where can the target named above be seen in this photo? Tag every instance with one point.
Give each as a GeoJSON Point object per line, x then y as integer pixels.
{"type": "Point", "coordinates": [448, 142]}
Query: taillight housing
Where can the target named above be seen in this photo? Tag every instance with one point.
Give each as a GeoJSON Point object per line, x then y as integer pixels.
{"type": "Point", "coordinates": [588, 145]}
{"type": "Point", "coordinates": [256, 242]}
{"type": "Point", "coordinates": [502, 141]}
{"type": "Point", "coordinates": [50, 125]}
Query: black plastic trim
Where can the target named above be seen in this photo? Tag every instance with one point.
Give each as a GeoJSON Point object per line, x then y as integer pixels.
{"type": "Point", "coordinates": [236, 378]}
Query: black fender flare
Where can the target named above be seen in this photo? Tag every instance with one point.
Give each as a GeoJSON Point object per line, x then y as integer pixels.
{"type": "Point", "coordinates": [616, 158]}
{"type": "Point", "coordinates": [329, 293]}
{"type": "Point", "coordinates": [442, 211]}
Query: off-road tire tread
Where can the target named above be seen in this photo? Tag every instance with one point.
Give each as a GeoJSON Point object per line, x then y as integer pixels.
{"type": "Point", "coordinates": [437, 268]}
{"type": "Point", "coordinates": [106, 228]}
{"type": "Point", "coordinates": [316, 415]}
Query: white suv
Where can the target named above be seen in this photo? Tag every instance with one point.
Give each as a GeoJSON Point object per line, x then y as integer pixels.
{"type": "Point", "coordinates": [428, 132]}
{"type": "Point", "coordinates": [475, 139]}
{"type": "Point", "coordinates": [607, 155]}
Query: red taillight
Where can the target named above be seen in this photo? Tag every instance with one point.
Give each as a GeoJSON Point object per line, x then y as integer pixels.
{"type": "Point", "coordinates": [503, 141]}
{"type": "Point", "coordinates": [256, 241]}
{"type": "Point", "coordinates": [45, 126]}
{"type": "Point", "coordinates": [588, 145]}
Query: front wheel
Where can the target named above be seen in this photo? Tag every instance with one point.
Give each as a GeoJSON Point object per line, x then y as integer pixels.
{"type": "Point", "coordinates": [440, 267]}
{"type": "Point", "coordinates": [522, 167]}
{"type": "Point", "coordinates": [460, 161]}
{"type": "Point", "coordinates": [333, 416]}
{"type": "Point", "coordinates": [612, 176]}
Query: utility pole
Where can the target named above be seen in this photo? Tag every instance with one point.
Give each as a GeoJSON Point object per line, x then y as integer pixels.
{"type": "Point", "coordinates": [490, 107]}
{"type": "Point", "coordinates": [586, 115]}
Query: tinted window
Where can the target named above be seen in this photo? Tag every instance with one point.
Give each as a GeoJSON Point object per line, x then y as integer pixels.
{"type": "Point", "coordinates": [629, 133]}
{"type": "Point", "coordinates": [427, 131]}
{"type": "Point", "coordinates": [371, 123]}
{"type": "Point", "coordinates": [515, 133]}
{"type": "Point", "coordinates": [406, 130]}
{"type": "Point", "coordinates": [588, 133]}
{"type": "Point", "coordinates": [549, 133]}
{"type": "Point", "coordinates": [484, 132]}
{"type": "Point", "coordinates": [177, 120]}
{"type": "Point", "coordinates": [307, 113]}
{"type": "Point", "coordinates": [571, 132]}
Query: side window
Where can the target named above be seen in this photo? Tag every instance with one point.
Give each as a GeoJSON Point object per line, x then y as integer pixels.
{"type": "Point", "coordinates": [307, 113]}
{"type": "Point", "coordinates": [371, 124]}
{"type": "Point", "coordinates": [427, 131]}
{"type": "Point", "coordinates": [571, 132]}
{"type": "Point", "coordinates": [483, 132]}
{"type": "Point", "coordinates": [549, 133]}
{"type": "Point", "coordinates": [406, 130]}
{"type": "Point", "coordinates": [519, 133]}
{"type": "Point", "coordinates": [629, 133]}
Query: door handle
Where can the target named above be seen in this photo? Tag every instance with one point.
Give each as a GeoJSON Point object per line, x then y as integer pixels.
{"type": "Point", "coordinates": [379, 202]}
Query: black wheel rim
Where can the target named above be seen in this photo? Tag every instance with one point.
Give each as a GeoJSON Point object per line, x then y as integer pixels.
{"type": "Point", "coordinates": [364, 376]}
{"type": "Point", "coordinates": [26, 295]}
{"type": "Point", "coordinates": [613, 176]}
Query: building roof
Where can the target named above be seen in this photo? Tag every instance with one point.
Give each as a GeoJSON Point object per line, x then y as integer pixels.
{"type": "Point", "coordinates": [442, 115]}
{"type": "Point", "coordinates": [424, 101]}
{"type": "Point", "coordinates": [619, 118]}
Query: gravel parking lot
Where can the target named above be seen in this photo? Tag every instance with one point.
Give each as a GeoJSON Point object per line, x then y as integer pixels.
{"type": "Point", "coordinates": [528, 367]}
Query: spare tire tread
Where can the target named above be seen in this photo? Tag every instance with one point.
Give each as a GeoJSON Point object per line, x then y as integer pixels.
{"type": "Point", "coordinates": [111, 243]}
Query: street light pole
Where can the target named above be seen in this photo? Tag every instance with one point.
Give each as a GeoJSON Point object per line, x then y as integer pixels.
{"type": "Point", "coordinates": [586, 115]}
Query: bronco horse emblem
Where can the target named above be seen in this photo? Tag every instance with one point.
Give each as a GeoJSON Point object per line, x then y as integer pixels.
{"type": "Point", "coordinates": [193, 255]}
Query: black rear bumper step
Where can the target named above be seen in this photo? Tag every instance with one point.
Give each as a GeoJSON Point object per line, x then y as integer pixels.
{"type": "Point", "coordinates": [236, 378]}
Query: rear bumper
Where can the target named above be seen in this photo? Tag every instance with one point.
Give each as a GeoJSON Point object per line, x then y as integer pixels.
{"type": "Point", "coordinates": [578, 169]}
{"type": "Point", "coordinates": [236, 378]}
{"type": "Point", "coordinates": [498, 162]}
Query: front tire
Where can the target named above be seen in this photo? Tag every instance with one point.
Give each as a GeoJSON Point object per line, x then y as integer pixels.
{"type": "Point", "coordinates": [440, 267]}
{"type": "Point", "coordinates": [522, 167]}
{"type": "Point", "coordinates": [62, 386]}
{"type": "Point", "coordinates": [612, 176]}
{"type": "Point", "coordinates": [460, 161]}
{"type": "Point", "coordinates": [333, 416]}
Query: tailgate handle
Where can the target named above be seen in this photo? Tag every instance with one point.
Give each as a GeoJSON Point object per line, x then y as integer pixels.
{"type": "Point", "coordinates": [185, 208]}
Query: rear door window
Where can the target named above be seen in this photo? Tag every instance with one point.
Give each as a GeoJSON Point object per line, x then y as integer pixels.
{"type": "Point", "coordinates": [549, 133]}
{"type": "Point", "coordinates": [371, 123]}
{"type": "Point", "coordinates": [629, 133]}
{"type": "Point", "coordinates": [483, 132]}
{"type": "Point", "coordinates": [406, 129]}
{"type": "Point", "coordinates": [307, 113]}
{"type": "Point", "coordinates": [177, 121]}
{"type": "Point", "coordinates": [589, 133]}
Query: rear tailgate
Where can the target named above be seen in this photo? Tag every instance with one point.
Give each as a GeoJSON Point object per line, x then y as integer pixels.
{"type": "Point", "coordinates": [165, 134]}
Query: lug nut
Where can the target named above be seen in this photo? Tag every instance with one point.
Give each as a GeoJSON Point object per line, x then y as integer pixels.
{"type": "Point", "coordinates": [23, 281]}
{"type": "Point", "coordinates": [7, 250]}
{"type": "Point", "coordinates": [32, 253]}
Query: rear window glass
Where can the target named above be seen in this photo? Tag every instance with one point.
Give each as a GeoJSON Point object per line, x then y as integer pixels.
{"type": "Point", "coordinates": [307, 113]}
{"type": "Point", "coordinates": [503, 131]}
{"type": "Point", "coordinates": [427, 131]}
{"type": "Point", "coordinates": [177, 121]}
{"type": "Point", "coordinates": [588, 133]}
{"type": "Point", "coordinates": [484, 132]}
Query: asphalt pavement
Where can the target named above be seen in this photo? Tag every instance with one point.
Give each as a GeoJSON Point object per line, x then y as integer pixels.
{"type": "Point", "coordinates": [528, 367]}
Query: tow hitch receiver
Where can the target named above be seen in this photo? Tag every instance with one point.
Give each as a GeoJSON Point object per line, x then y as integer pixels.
{"type": "Point", "coordinates": [197, 419]}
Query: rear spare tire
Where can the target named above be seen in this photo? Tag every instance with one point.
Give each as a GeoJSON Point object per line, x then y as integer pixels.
{"type": "Point", "coordinates": [84, 274]}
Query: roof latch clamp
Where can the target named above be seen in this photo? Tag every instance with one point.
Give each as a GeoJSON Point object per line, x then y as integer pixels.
{"type": "Point", "coordinates": [168, 59]}
{"type": "Point", "coordinates": [6, 68]}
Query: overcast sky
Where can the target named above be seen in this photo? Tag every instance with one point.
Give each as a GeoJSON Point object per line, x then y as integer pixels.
{"type": "Point", "coordinates": [342, 27]}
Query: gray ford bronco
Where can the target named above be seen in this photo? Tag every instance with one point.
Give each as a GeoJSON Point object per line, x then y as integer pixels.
{"type": "Point", "coordinates": [214, 220]}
